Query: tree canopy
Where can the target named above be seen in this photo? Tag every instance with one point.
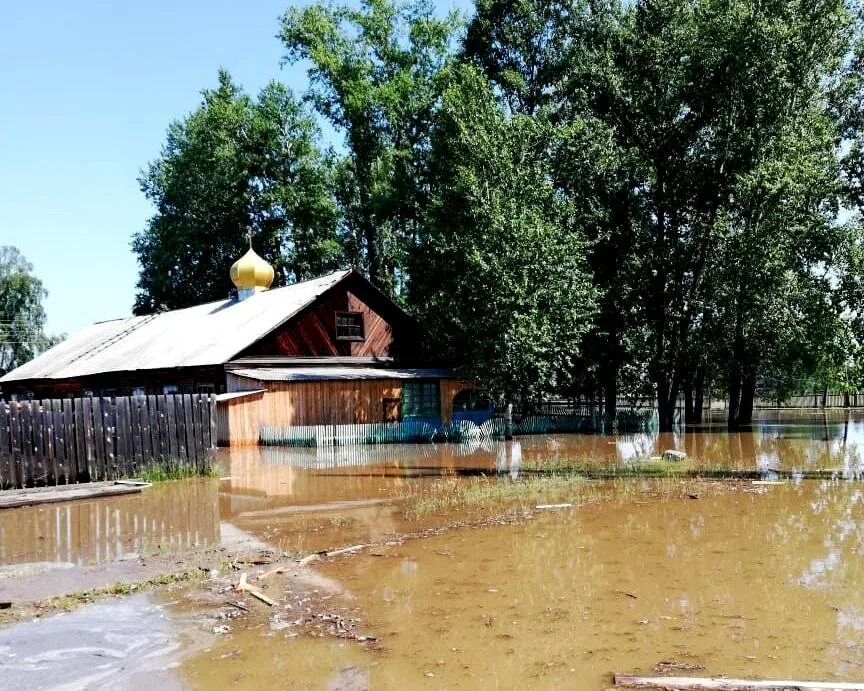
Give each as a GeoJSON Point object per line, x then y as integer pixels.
{"type": "Point", "coordinates": [236, 163]}
{"type": "Point", "coordinates": [22, 317]}
{"type": "Point", "coordinates": [574, 197]}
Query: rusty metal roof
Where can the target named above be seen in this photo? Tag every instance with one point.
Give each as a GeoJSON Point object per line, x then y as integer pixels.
{"type": "Point", "coordinates": [334, 373]}
{"type": "Point", "coordinates": [209, 334]}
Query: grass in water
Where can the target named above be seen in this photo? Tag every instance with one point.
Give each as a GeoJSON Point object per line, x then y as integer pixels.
{"type": "Point", "coordinates": [175, 469]}
{"type": "Point", "coordinates": [493, 492]}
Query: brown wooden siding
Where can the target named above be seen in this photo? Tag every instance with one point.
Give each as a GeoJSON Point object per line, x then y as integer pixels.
{"type": "Point", "coordinates": [340, 402]}
{"type": "Point", "coordinates": [312, 333]}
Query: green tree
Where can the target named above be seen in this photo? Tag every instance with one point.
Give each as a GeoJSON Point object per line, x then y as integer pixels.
{"type": "Point", "coordinates": [232, 164]}
{"type": "Point", "coordinates": [499, 278]}
{"type": "Point", "coordinates": [372, 73]}
{"type": "Point", "coordinates": [22, 317]}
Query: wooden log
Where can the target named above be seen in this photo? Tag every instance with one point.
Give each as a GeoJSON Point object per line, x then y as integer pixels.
{"type": "Point", "coordinates": [244, 587]}
{"type": "Point", "coordinates": [723, 684]}
{"type": "Point", "coordinates": [50, 495]}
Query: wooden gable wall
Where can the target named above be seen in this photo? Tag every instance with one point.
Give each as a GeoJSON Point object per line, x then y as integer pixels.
{"type": "Point", "coordinates": [312, 333]}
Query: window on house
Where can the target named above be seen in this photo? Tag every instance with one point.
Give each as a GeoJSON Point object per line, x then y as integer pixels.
{"type": "Point", "coordinates": [349, 326]}
{"type": "Point", "coordinates": [421, 399]}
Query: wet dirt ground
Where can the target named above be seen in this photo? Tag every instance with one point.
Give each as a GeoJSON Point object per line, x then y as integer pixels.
{"type": "Point", "coordinates": [744, 579]}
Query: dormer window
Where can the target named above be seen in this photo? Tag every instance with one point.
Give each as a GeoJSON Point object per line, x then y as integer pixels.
{"type": "Point", "coordinates": [349, 326]}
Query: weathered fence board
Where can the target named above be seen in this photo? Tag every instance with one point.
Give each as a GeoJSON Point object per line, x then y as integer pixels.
{"type": "Point", "coordinates": [58, 442]}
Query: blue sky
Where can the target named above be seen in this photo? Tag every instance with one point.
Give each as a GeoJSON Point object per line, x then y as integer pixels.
{"type": "Point", "coordinates": [88, 90]}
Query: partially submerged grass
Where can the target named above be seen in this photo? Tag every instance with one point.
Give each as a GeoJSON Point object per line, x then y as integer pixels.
{"type": "Point", "coordinates": [492, 492]}
{"type": "Point", "coordinates": [175, 469]}
{"type": "Point", "coordinates": [646, 467]}
{"type": "Point", "coordinates": [573, 485]}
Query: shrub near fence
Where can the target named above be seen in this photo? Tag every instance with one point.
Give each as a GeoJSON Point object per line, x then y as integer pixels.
{"type": "Point", "coordinates": [69, 440]}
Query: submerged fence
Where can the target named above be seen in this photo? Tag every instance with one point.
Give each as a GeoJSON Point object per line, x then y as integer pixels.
{"type": "Point", "coordinates": [414, 431]}
{"type": "Point", "coordinates": [69, 440]}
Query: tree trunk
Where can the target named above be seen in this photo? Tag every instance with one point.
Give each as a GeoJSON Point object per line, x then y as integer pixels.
{"type": "Point", "coordinates": [699, 395]}
{"type": "Point", "coordinates": [748, 394]}
{"type": "Point", "coordinates": [666, 396]}
{"type": "Point", "coordinates": [734, 397]}
{"type": "Point", "coordinates": [610, 389]}
{"type": "Point", "coordinates": [689, 410]}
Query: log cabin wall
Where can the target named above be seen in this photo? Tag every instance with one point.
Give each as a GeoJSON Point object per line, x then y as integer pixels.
{"type": "Point", "coordinates": [206, 379]}
{"type": "Point", "coordinates": [388, 332]}
{"type": "Point", "coordinates": [340, 402]}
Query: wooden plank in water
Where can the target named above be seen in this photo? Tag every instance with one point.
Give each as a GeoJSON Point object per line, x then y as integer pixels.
{"type": "Point", "coordinates": [723, 684]}
{"type": "Point", "coordinates": [50, 495]}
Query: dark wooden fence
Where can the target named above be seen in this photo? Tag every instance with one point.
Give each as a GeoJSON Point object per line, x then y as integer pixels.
{"type": "Point", "coordinates": [69, 440]}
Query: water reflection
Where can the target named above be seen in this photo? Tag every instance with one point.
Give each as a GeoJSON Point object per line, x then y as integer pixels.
{"type": "Point", "coordinates": [170, 517]}
{"type": "Point", "coordinates": [757, 582]}
{"type": "Point", "coordinates": [785, 441]}
{"type": "Point", "coordinates": [269, 488]}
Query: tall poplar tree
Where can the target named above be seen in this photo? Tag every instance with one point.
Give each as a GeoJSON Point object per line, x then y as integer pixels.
{"type": "Point", "coordinates": [232, 164]}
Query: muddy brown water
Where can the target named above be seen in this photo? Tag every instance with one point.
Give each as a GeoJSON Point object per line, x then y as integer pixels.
{"type": "Point", "coordinates": [767, 584]}
{"type": "Point", "coordinates": [763, 582]}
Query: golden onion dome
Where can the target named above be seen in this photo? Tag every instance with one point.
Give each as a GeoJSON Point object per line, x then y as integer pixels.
{"type": "Point", "coordinates": [251, 272]}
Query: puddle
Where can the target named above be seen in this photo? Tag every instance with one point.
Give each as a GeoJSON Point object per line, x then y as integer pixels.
{"type": "Point", "coordinates": [269, 487]}
{"type": "Point", "coordinates": [170, 517]}
{"type": "Point", "coordinates": [91, 648]}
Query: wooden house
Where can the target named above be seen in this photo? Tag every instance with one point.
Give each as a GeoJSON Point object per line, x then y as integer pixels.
{"type": "Point", "coordinates": [329, 351]}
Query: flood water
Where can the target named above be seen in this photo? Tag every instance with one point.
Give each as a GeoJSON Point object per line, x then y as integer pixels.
{"type": "Point", "coordinates": [742, 583]}
{"type": "Point", "coordinates": [745, 579]}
